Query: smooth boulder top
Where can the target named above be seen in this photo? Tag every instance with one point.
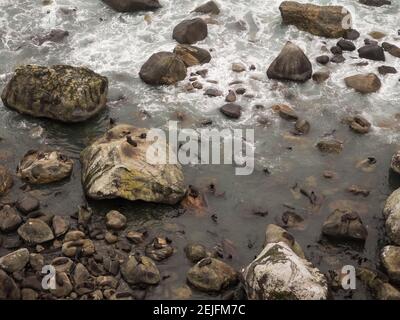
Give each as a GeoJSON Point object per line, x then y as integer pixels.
{"type": "Point", "coordinates": [59, 92]}
{"type": "Point", "coordinates": [122, 164]}
{"type": "Point", "coordinates": [190, 31]}
{"type": "Point", "coordinates": [364, 83]}
{"type": "Point", "coordinates": [163, 68]}
{"type": "Point", "coordinates": [291, 64]}
{"type": "Point", "coordinates": [133, 5]}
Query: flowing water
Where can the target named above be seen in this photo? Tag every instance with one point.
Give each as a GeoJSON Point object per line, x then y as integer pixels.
{"type": "Point", "coordinates": [116, 45]}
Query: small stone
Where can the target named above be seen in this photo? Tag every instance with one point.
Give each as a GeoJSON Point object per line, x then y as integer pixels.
{"type": "Point", "coordinates": [285, 112]}
{"type": "Point", "coordinates": [231, 110]}
{"type": "Point", "coordinates": [302, 126]}
{"type": "Point", "coordinates": [351, 34]}
{"type": "Point", "coordinates": [322, 59]}
{"type": "Point", "coordinates": [372, 52]}
{"type": "Point", "coordinates": [320, 76]}
{"type": "Point", "coordinates": [36, 260]}
{"type": "Point", "coordinates": [60, 226]}
{"type": "Point", "coordinates": [84, 247]}
{"type": "Point", "coordinates": [84, 215]}
{"type": "Point", "coordinates": [195, 252]}
{"type": "Point", "coordinates": [27, 204]}
{"type": "Point", "coordinates": [208, 7]}
{"type": "Point", "coordinates": [8, 288]}
{"type": "Point", "coordinates": [63, 286]}
{"type": "Point", "coordinates": [110, 237]}
{"type": "Point", "coordinates": [140, 270]}
{"type": "Point", "coordinates": [240, 91]}
{"type": "Point", "coordinates": [9, 219]}
{"type": "Point", "coordinates": [197, 85]}
{"type": "Point", "coordinates": [329, 174]}
{"type": "Point", "coordinates": [35, 231]}
{"type": "Point", "coordinates": [115, 220]}
{"type": "Point", "coordinates": [346, 45]}
{"type": "Point", "coordinates": [135, 236]}
{"type": "Point", "coordinates": [356, 190]}
{"type": "Point", "coordinates": [359, 125]}
{"type": "Point", "coordinates": [338, 58]}
{"type": "Point", "coordinates": [377, 35]}
{"type": "Point", "coordinates": [231, 97]}
{"type": "Point", "coordinates": [190, 31]}
{"type": "Point", "coordinates": [344, 225]}
{"type": "Point", "coordinates": [62, 264]}
{"type": "Point", "coordinates": [395, 162]}
{"type": "Point", "coordinates": [29, 294]}
{"type": "Point", "coordinates": [212, 92]}
{"type": "Point", "coordinates": [159, 249]}
{"type": "Point", "coordinates": [330, 146]}
{"type": "Point", "coordinates": [336, 50]}
{"type": "Point", "coordinates": [363, 83]}
{"type": "Point", "coordinates": [15, 261]}
{"type": "Point", "coordinates": [390, 257]}
{"type": "Point", "coordinates": [6, 180]}
{"type": "Point", "coordinates": [238, 67]}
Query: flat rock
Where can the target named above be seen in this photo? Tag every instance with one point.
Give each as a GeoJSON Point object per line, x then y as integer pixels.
{"type": "Point", "coordinates": [27, 203]}
{"type": "Point", "coordinates": [133, 5]}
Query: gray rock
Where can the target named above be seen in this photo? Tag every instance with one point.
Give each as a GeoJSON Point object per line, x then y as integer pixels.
{"type": "Point", "coordinates": [275, 234]}
{"type": "Point", "coordinates": [9, 219]}
{"type": "Point", "coordinates": [375, 3]}
{"type": "Point", "coordinates": [15, 261]}
{"type": "Point", "coordinates": [231, 110]}
{"type": "Point", "coordinates": [35, 231]}
{"type": "Point", "coordinates": [372, 52]}
{"type": "Point", "coordinates": [195, 252]}
{"type": "Point", "coordinates": [330, 145]}
{"type": "Point", "coordinates": [133, 5]}
{"type": "Point", "coordinates": [190, 31]}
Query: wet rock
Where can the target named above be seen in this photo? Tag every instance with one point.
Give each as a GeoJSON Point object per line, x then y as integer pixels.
{"type": "Point", "coordinates": [280, 274]}
{"type": "Point", "coordinates": [384, 70]}
{"type": "Point", "coordinates": [238, 67]}
{"type": "Point", "coordinates": [392, 49]}
{"type": "Point", "coordinates": [320, 76]}
{"type": "Point", "coordinates": [381, 289]}
{"type": "Point", "coordinates": [133, 5]}
{"type": "Point", "coordinates": [394, 164]}
{"type": "Point", "coordinates": [324, 21]}
{"type": "Point", "coordinates": [391, 213]}
{"type": "Point", "coordinates": [74, 235]}
{"type": "Point", "coordinates": [336, 50]}
{"type": "Point", "coordinates": [197, 85]}
{"type": "Point", "coordinates": [9, 219]}
{"type": "Point", "coordinates": [212, 92]}
{"type": "Point", "coordinates": [372, 52]}
{"type": "Point", "coordinates": [302, 126]}
{"type": "Point", "coordinates": [356, 190]}
{"type": "Point", "coordinates": [83, 247]}
{"type": "Point", "coordinates": [63, 285]}
{"type": "Point", "coordinates": [40, 167]}
{"type": "Point", "coordinates": [390, 257]}
{"type": "Point", "coordinates": [29, 294]}
{"type": "Point", "coordinates": [84, 215]}
{"type": "Point", "coordinates": [359, 124]}
{"type": "Point", "coordinates": [190, 31]}
{"type": "Point", "coordinates": [275, 234]}
{"type": "Point", "coordinates": [60, 92]}
{"type": "Point", "coordinates": [55, 35]}
{"type": "Point", "coordinates": [377, 35]}
{"type": "Point", "coordinates": [36, 260]}
{"type": "Point", "coordinates": [14, 261]}
{"type": "Point", "coordinates": [211, 275]}
{"type": "Point", "coordinates": [231, 110]}
{"type": "Point", "coordinates": [62, 264]}
{"type": "Point", "coordinates": [192, 55]}
{"type": "Point", "coordinates": [330, 146]}
{"type": "Point", "coordinates": [140, 270]}
{"type": "Point", "coordinates": [351, 34]}
{"type": "Point", "coordinates": [110, 237]}
{"type": "Point", "coordinates": [60, 226]}
{"type": "Point", "coordinates": [131, 173]}
{"type": "Point", "coordinates": [135, 236]}
{"type": "Point", "coordinates": [324, 59]}
{"type": "Point", "coordinates": [163, 68]}
{"type": "Point", "coordinates": [115, 220]}
{"type": "Point", "coordinates": [26, 204]}
{"type": "Point", "coordinates": [231, 97]}
{"type": "Point", "coordinates": [346, 45]}
{"type": "Point", "coordinates": [291, 64]}
{"type": "Point", "coordinates": [375, 3]}
{"type": "Point", "coordinates": [240, 91]}
{"type": "Point", "coordinates": [6, 180]}
{"type": "Point", "coordinates": [344, 225]}
{"type": "Point", "coordinates": [195, 252]}
{"type": "Point", "coordinates": [159, 249]}
{"type": "Point", "coordinates": [285, 112]}
{"type": "Point", "coordinates": [338, 58]}
{"type": "Point", "coordinates": [208, 7]}
{"type": "Point", "coordinates": [364, 83]}
{"type": "Point", "coordinates": [35, 231]}
{"type": "Point", "coordinates": [8, 288]}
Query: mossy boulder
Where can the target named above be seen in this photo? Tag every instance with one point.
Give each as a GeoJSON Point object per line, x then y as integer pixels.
{"type": "Point", "coordinates": [118, 165]}
{"type": "Point", "coordinates": [60, 92]}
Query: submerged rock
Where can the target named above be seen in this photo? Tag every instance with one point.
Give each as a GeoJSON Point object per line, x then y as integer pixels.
{"type": "Point", "coordinates": [390, 257]}
{"type": "Point", "coordinates": [190, 31]}
{"type": "Point", "coordinates": [140, 270]}
{"type": "Point", "coordinates": [364, 83]}
{"type": "Point", "coordinates": [391, 212]}
{"type": "Point", "coordinates": [55, 35]}
{"type": "Point", "coordinates": [163, 68]}
{"type": "Point", "coordinates": [121, 165]}
{"type": "Point", "coordinates": [280, 274]}
{"type": "Point", "coordinates": [330, 146]}
{"type": "Point", "coordinates": [291, 64]}
{"type": "Point", "coordinates": [6, 180]}
{"type": "Point", "coordinates": [60, 92]}
{"type": "Point", "coordinates": [192, 55]}
{"type": "Point", "coordinates": [344, 225]}
{"type": "Point", "coordinates": [40, 167]}
{"type": "Point", "coordinates": [211, 275]}
{"type": "Point", "coordinates": [9, 219]}
{"type": "Point", "coordinates": [325, 21]}
{"type": "Point", "coordinates": [372, 52]}
{"type": "Point", "coordinates": [320, 76]}
{"type": "Point", "coordinates": [208, 7]}
{"type": "Point", "coordinates": [132, 5]}
{"type": "Point", "coordinates": [35, 231]}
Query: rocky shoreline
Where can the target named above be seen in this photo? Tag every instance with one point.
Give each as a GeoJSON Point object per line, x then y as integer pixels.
{"type": "Point", "coordinates": [101, 257]}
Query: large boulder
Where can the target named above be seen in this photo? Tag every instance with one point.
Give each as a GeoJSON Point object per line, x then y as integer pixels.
{"type": "Point", "coordinates": [60, 92]}
{"type": "Point", "coordinates": [163, 68]}
{"type": "Point", "coordinates": [291, 64]}
{"type": "Point", "coordinates": [192, 55]}
{"type": "Point", "coordinates": [35, 231]}
{"type": "Point", "coordinates": [40, 167]}
{"type": "Point", "coordinates": [121, 165]}
{"type": "Point", "coordinates": [280, 274]}
{"type": "Point", "coordinates": [391, 213]}
{"type": "Point", "coordinates": [132, 5]}
{"type": "Point", "coordinates": [190, 31]}
{"type": "Point", "coordinates": [364, 83]}
{"type": "Point", "coordinates": [211, 275]}
{"type": "Point", "coordinates": [324, 21]}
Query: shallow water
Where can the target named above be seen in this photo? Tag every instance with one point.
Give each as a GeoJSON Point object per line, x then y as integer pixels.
{"type": "Point", "coordinates": [116, 45]}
